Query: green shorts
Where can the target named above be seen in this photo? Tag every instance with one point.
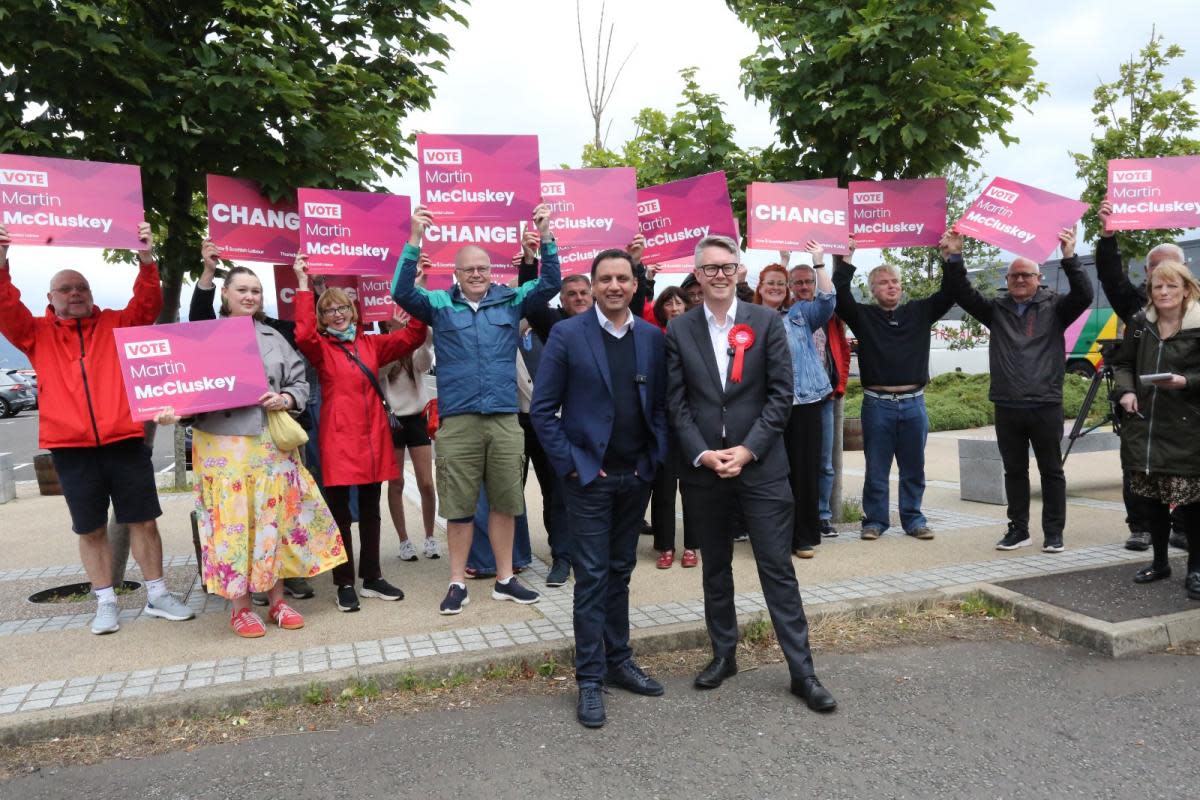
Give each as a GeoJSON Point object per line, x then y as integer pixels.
{"type": "Point", "coordinates": [476, 450]}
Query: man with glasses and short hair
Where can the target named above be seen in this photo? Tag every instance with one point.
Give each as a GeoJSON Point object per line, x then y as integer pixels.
{"type": "Point", "coordinates": [1027, 355]}
{"type": "Point", "coordinates": [893, 362]}
{"type": "Point", "coordinates": [99, 452]}
{"type": "Point", "coordinates": [475, 332]}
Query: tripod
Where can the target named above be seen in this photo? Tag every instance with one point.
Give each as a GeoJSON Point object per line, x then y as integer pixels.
{"type": "Point", "coordinates": [1101, 379]}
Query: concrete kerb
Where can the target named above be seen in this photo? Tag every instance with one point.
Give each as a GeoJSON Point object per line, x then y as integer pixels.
{"type": "Point", "coordinates": [231, 699]}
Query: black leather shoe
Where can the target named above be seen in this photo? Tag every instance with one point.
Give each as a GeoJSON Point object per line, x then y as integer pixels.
{"type": "Point", "coordinates": [590, 708]}
{"type": "Point", "coordinates": [1192, 585]}
{"type": "Point", "coordinates": [814, 694]}
{"type": "Point", "coordinates": [1151, 573]}
{"type": "Point", "coordinates": [629, 676]}
{"type": "Point", "coordinates": [712, 676]}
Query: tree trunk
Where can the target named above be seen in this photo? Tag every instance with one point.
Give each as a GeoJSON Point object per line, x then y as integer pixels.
{"type": "Point", "coordinates": [835, 494]}
{"type": "Point", "coordinates": [180, 459]}
{"type": "Point", "coordinates": [118, 533]}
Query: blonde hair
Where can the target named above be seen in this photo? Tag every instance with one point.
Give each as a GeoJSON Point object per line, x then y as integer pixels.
{"type": "Point", "coordinates": [1168, 270]}
{"type": "Point", "coordinates": [890, 269]}
{"type": "Point", "coordinates": [333, 296]}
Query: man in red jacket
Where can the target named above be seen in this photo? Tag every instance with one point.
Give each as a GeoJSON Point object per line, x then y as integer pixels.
{"type": "Point", "coordinates": [84, 421]}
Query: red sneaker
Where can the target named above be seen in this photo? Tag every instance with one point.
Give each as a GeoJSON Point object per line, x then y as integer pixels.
{"type": "Point", "coordinates": [666, 559]}
{"type": "Point", "coordinates": [690, 559]}
{"type": "Point", "coordinates": [286, 617]}
{"type": "Point", "coordinates": [245, 623]}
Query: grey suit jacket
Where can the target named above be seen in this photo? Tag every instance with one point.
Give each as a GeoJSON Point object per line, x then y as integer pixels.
{"type": "Point", "coordinates": [753, 412]}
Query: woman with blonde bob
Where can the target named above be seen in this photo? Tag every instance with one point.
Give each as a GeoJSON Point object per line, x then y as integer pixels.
{"type": "Point", "coordinates": [259, 512]}
{"type": "Point", "coordinates": [354, 433]}
{"type": "Point", "coordinates": [1158, 386]}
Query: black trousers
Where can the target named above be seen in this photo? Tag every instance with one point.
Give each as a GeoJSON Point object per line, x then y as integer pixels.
{"type": "Point", "coordinates": [1158, 519]}
{"type": "Point", "coordinates": [768, 511]}
{"type": "Point", "coordinates": [338, 498]}
{"type": "Point", "coordinates": [662, 505]}
{"type": "Point", "coordinates": [1041, 427]}
{"type": "Point", "coordinates": [802, 439]}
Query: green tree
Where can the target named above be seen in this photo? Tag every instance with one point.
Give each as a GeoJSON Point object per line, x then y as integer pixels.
{"type": "Point", "coordinates": [1137, 116]}
{"type": "Point", "coordinates": [866, 89]}
{"type": "Point", "coordinates": [288, 93]}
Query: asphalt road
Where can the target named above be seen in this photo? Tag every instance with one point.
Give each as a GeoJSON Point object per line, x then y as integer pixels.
{"type": "Point", "coordinates": [999, 719]}
{"type": "Point", "coordinates": [19, 436]}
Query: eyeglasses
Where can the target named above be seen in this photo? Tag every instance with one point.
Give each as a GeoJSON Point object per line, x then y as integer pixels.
{"type": "Point", "coordinates": [474, 270]}
{"type": "Point", "coordinates": [711, 270]}
{"type": "Point", "coordinates": [82, 288]}
{"type": "Point", "coordinates": [803, 282]}
{"type": "Point", "coordinates": [1024, 276]}
{"type": "Point", "coordinates": [334, 311]}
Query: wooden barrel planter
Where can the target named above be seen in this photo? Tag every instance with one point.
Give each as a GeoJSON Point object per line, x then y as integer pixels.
{"type": "Point", "coordinates": [852, 437]}
{"type": "Point", "coordinates": [47, 475]}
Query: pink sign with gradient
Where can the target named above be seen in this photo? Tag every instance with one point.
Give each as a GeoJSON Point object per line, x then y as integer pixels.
{"type": "Point", "coordinates": [190, 367]}
{"type": "Point", "coordinates": [1020, 219]}
{"type": "Point", "coordinates": [1152, 193]}
{"type": "Point", "coordinates": [784, 216]}
{"type": "Point", "coordinates": [69, 203]}
{"type": "Point", "coordinates": [593, 209]}
{"type": "Point", "coordinates": [246, 226]}
{"type": "Point", "coordinates": [375, 298]}
{"type": "Point", "coordinates": [904, 213]}
{"type": "Point", "coordinates": [285, 289]}
{"type": "Point", "coordinates": [675, 216]}
{"type": "Point", "coordinates": [352, 233]}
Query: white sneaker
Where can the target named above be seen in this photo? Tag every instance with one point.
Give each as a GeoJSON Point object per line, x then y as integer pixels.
{"type": "Point", "coordinates": [407, 551]}
{"type": "Point", "coordinates": [105, 620]}
{"type": "Point", "coordinates": [431, 548]}
{"type": "Point", "coordinates": [168, 607]}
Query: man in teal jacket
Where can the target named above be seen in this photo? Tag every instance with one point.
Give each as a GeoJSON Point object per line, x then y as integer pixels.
{"type": "Point", "coordinates": [475, 333]}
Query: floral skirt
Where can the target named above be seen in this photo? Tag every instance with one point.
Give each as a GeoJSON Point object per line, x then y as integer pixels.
{"type": "Point", "coordinates": [261, 517]}
{"type": "Point", "coordinates": [1170, 489]}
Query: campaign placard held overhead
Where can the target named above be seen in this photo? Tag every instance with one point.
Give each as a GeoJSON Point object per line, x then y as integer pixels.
{"type": "Point", "coordinates": [594, 209]}
{"type": "Point", "coordinates": [70, 203]}
{"type": "Point", "coordinates": [784, 216]}
{"type": "Point", "coordinates": [903, 213]}
{"type": "Point", "coordinates": [190, 367]}
{"type": "Point", "coordinates": [246, 226]}
{"type": "Point", "coordinates": [675, 216]}
{"type": "Point", "coordinates": [375, 298]}
{"type": "Point", "coordinates": [1020, 219]}
{"type": "Point", "coordinates": [285, 289]}
{"type": "Point", "coordinates": [1151, 193]}
{"type": "Point", "coordinates": [352, 233]}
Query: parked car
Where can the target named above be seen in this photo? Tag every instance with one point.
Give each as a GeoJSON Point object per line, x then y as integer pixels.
{"type": "Point", "coordinates": [16, 393]}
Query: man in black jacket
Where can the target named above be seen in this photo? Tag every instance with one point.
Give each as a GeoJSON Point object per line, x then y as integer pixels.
{"type": "Point", "coordinates": [893, 361]}
{"type": "Point", "coordinates": [1027, 358]}
{"type": "Point", "coordinates": [1126, 300]}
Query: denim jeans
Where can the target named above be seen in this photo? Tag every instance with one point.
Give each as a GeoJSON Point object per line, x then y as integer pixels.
{"type": "Point", "coordinates": [894, 429]}
{"type": "Point", "coordinates": [825, 479]}
{"type": "Point", "coordinates": [481, 557]}
{"type": "Point", "coordinates": [606, 520]}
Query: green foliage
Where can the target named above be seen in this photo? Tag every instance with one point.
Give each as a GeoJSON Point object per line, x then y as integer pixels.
{"type": "Point", "coordinates": [978, 604]}
{"type": "Point", "coordinates": [757, 631]}
{"type": "Point", "coordinates": [959, 400]}
{"type": "Point", "coordinates": [316, 695]}
{"type": "Point", "coordinates": [284, 92]}
{"type": "Point", "coordinates": [360, 690]}
{"type": "Point", "coordinates": [410, 682]}
{"type": "Point", "coordinates": [851, 510]}
{"type": "Point", "coordinates": [1137, 116]}
{"type": "Point", "coordinates": [548, 667]}
{"type": "Point", "coordinates": [863, 89]}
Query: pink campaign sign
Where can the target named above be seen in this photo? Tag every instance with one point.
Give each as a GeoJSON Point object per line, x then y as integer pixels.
{"type": "Point", "coordinates": [904, 213]}
{"type": "Point", "coordinates": [594, 209]}
{"type": "Point", "coordinates": [285, 289]}
{"type": "Point", "coordinates": [58, 201]}
{"type": "Point", "coordinates": [375, 298]}
{"type": "Point", "coordinates": [190, 367]}
{"type": "Point", "coordinates": [246, 226]}
{"type": "Point", "coordinates": [1153, 193]}
{"type": "Point", "coordinates": [1020, 219]}
{"type": "Point", "coordinates": [675, 216]}
{"type": "Point", "coordinates": [784, 216]}
{"type": "Point", "coordinates": [352, 233]}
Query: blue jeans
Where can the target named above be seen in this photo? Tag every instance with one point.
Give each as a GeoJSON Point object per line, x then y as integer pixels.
{"type": "Point", "coordinates": [606, 519]}
{"type": "Point", "coordinates": [894, 428]}
{"type": "Point", "coordinates": [481, 557]}
{"type": "Point", "coordinates": [825, 479]}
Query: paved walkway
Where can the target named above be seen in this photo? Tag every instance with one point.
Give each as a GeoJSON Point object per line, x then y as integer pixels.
{"type": "Point", "coordinates": [152, 658]}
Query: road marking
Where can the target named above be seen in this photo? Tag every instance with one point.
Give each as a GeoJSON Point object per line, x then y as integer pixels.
{"type": "Point", "coordinates": [167, 467]}
{"type": "Point", "coordinates": [22, 466]}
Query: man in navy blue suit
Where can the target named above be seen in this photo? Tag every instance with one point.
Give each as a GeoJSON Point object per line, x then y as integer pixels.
{"type": "Point", "coordinates": [605, 371]}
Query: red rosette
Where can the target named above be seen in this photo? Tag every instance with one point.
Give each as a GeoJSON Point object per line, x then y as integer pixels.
{"type": "Point", "coordinates": [741, 339]}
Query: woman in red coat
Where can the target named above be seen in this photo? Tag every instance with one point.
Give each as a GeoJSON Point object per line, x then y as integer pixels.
{"type": "Point", "coordinates": [354, 436]}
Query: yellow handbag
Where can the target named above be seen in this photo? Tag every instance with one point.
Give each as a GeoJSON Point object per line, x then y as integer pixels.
{"type": "Point", "coordinates": [286, 433]}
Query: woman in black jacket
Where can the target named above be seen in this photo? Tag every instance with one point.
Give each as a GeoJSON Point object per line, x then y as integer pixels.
{"type": "Point", "coordinates": [1158, 385]}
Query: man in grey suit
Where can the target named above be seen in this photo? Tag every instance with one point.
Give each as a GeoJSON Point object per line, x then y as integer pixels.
{"type": "Point", "coordinates": [730, 428]}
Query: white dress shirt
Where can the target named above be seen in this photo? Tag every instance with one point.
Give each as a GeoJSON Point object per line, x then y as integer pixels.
{"type": "Point", "coordinates": [719, 334]}
{"type": "Point", "coordinates": [616, 331]}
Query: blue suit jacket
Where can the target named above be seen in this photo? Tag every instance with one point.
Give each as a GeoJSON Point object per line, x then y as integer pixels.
{"type": "Point", "coordinates": [573, 376]}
